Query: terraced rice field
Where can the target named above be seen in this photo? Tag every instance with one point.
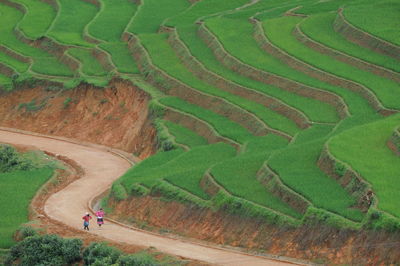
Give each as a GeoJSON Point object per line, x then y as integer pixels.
{"type": "Point", "coordinates": [249, 97]}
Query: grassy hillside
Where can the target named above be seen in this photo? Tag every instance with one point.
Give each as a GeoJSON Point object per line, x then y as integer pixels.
{"type": "Point", "coordinates": [259, 105]}
{"type": "Point", "coordinates": [21, 175]}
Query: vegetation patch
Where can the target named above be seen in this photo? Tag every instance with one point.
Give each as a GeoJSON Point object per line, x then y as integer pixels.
{"type": "Point", "coordinates": [21, 175]}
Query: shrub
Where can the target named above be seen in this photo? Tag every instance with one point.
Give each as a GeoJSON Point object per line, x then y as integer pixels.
{"type": "Point", "coordinates": [32, 106]}
{"type": "Point", "coordinates": [156, 110]}
{"type": "Point", "coordinates": [118, 192]}
{"type": "Point", "coordinates": [66, 102]}
{"type": "Point", "coordinates": [140, 259]}
{"type": "Point", "coordinates": [24, 232]}
{"type": "Point", "coordinates": [45, 250]}
{"type": "Point", "coordinates": [381, 221]}
{"type": "Point", "coordinates": [10, 160]}
{"type": "Point", "coordinates": [100, 254]}
{"type": "Point", "coordinates": [340, 169]}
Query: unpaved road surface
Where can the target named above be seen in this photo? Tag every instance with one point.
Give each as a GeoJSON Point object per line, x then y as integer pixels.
{"type": "Point", "coordinates": [101, 169]}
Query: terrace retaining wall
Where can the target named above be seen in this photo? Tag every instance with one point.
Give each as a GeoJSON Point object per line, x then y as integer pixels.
{"type": "Point", "coordinates": [196, 125]}
{"type": "Point", "coordinates": [93, 2]}
{"type": "Point", "coordinates": [351, 181]}
{"type": "Point", "coordinates": [202, 73]}
{"type": "Point", "coordinates": [103, 58]}
{"type": "Point", "coordinates": [394, 141]}
{"type": "Point", "coordinates": [340, 56]}
{"type": "Point", "coordinates": [172, 86]}
{"type": "Point", "coordinates": [15, 5]}
{"type": "Point", "coordinates": [363, 38]}
{"type": "Point", "coordinates": [273, 184]}
{"type": "Point", "coordinates": [53, 3]}
{"type": "Point", "coordinates": [14, 54]}
{"type": "Point", "coordinates": [268, 78]}
{"type": "Point", "coordinates": [222, 199]}
{"type": "Point", "coordinates": [6, 70]}
{"type": "Point", "coordinates": [314, 72]}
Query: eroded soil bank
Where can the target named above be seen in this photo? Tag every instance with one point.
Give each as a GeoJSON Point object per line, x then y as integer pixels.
{"type": "Point", "coordinates": [116, 116]}
{"type": "Point", "coordinates": [316, 243]}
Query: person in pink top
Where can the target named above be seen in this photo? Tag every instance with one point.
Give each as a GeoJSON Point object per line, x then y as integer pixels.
{"type": "Point", "coordinates": [86, 220]}
{"type": "Point", "coordinates": [100, 216]}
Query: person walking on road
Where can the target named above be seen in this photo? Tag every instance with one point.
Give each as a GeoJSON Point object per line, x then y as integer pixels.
{"type": "Point", "coordinates": [86, 220]}
{"type": "Point", "coordinates": [100, 217]}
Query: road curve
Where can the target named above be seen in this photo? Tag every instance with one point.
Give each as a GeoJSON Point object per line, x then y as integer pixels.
{"type": "Point", "coordinates": [101, 169]}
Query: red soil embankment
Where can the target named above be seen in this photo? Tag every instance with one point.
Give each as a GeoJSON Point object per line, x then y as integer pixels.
{"type": "Point", "coordinates": [317, 243]}
{"type": "Point", "coordinates": [116, 116]}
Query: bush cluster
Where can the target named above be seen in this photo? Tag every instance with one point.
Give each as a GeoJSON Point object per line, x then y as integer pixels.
{"type": "Point", "coordinates": [101, 254]}
{"type": "Point", "coordinates": [11, 160]}
{"type": "Point", "coordinates": [54, 250]}
{"type": "Point", "coordinates": [45, 250]}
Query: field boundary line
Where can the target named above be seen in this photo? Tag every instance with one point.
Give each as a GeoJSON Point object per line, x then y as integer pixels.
{"type": "Point", "coordinates": [344, 57]}
{"type": "Point", "coordinates": [179, 87]}
{"type": "Point", "coordinates": [266, 176]}
{"type": "Point", "coordinates": [355, 35]}
{"type": "Point", "coordinates": [315, 72]}
{"type": "Point", "coordinates": [272, 79]}
{"type": "Point", "coordinates": [171, 136]}
{"type": "Point", "coordinates": [211, 128]}
{"type": "Point", "coordinates": [209, 175]}
{"type": "Point", "coordinates": [201, 72]}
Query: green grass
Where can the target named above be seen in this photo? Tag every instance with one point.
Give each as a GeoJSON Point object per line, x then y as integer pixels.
{"type": "Point", "coordinates": [69, 24]}
{"type": "Point", "coordinates": [316, 131]}
{"type": "Point", "coordinates": [261, 7]}
{"type": "Point", "coordinates": [265, 144]}
{"type": "Point", "coordinates": [17, 189]}
{"type": "Point", "coordinates": [380, 18]}
{"type": "Point", "coordinates": [89, 64]}
{"type": "Point", "coordinates": [184, 135]}
{"type": "Point", "coordinates": [182, 169]}
{"type": "Point", "coordinates": [112, 19]}
{"type": "Point", "coordinates": [279, 31]}
{"type": "Point", "coordinates": [151, 14]}
{"type": "Point", "coordinates": [43, 62]}
{"type": "Point", "coordinates": [121, 57]}
{"type": "Point", "coordinates": [19, 66]}
{"type": "Point", "coordinates": [313, 109]}
{"type": "Point", "coordinates": [364, 149]}
{"type": "Point", "coordinates": [320, 29]}
{"type": "Point", "coordinates": [297, 168]}
{"type": "Point", "coordinates": [5, 81]}
{"type": "Point", "coordinates": [9, 19]}
{"type": "Point", "coordinates": [188, 34]}
{"type": "Point", "coordinates": [237, 38]}
{"type": "Point", "coordinates": [203, 8]}
{"type": "Point", "coordinates": [38, 18]}
{"type": "Point", "coordinates": [232, 176]}
{"type": "Point", "coordinates": [221, 124]}
{"type": "Point", "coordinates": [50, 66]}
{"type": "Point", "coordinates": [316, 7]}
{"type": "Point", "coordinates": [164, 57]}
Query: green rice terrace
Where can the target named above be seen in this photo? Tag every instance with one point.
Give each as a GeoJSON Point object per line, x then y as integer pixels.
{"type": "Point", "coordinates": [283, 110]}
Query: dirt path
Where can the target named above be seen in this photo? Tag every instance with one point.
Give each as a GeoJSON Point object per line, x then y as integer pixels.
{"type": "Point", "coordinates": [101, 169]}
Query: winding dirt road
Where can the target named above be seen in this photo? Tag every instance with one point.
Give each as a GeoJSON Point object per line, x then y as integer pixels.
{"type": "Point", "coordinates": [101, 169]}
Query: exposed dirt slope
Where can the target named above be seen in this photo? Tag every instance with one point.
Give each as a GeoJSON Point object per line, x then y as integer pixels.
{"type": "Point", "coordinates": [101, 169]}
{"type": "Point", "coordinates": [317, 243]}
{"type": "Point", "coordinates": [115, 116]}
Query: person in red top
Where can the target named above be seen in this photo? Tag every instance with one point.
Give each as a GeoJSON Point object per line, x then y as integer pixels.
{"type": "Point", "coordinates": [100, 217]}
{"type": "Point", "coordinates": [86, 220]}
